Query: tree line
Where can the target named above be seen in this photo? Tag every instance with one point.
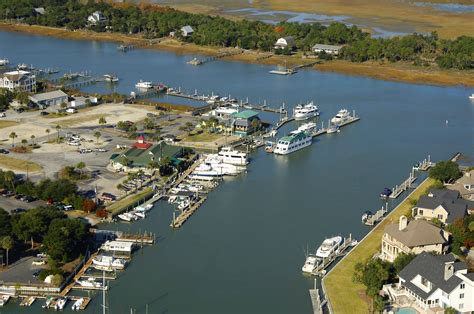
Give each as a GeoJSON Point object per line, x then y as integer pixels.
{"type": "Point", "coordinates": [153, 22]}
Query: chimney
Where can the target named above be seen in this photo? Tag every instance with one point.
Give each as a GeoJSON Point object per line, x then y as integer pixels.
{"type": "Point", "coordinates": [448, 270]}
{"type": "Point", "coordinates": [403, 223]}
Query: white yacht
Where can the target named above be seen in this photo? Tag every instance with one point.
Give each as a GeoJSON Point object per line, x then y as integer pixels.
{"type": "Point", "coordinates": [333, 128]}
{"type": "Point", "coordinates": [144, 85]}
{"type": "Point", "coordinates": [310, 264]}
{"type": "Point", "coordinates": [108, 262]}
{"type": "Point", "coordinates": [60, 304]}
{"type": "Point", "coordinates": [140, 214]}
{"type": "Point", "coordinates": [77, 305]}
{"type": "Point", "coordinates": [233, 157]}
{"type": "Point", "coordinates": [306, 127]}
{"type": "Point", "coordinates": [4, 62]}
{"type": "Point", "coordinates": [470, 97]}
{"type": "Point", "coordinates": [89, 283]}
{"type": "Point", "coordinates": [293, 142]}
{"type": "Point", "coordinates": [342, 116]}
{"type": "Point", "coordinates": [111, 78]}
{"type": "Point", "coordinates": [206, 170]}
{"type": "Point", "coordinates": [129, 216]}
{"type": "Point", "coordinates": [328, 247]}
{"type": "Point", "coordinates": [4, 299]}
{"type": "Point", "coordinates": [303, 112]}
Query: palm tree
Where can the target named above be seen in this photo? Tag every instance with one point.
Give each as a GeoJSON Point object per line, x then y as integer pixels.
{"type": "Point", "coordinates": [102, 121]}
{"type": "Point", "coordinates": [33, 139]}
{"type": "Point", "coordinates": [48, 131]}
{"type": "Point", "coordinates": [13, 136]}
{"type": "Point", "coordinates": [97, 136]}
{"type": "Point", "coordinates": [7, 244]}
{"type": "Point", "coordinates": [9, 177]}
{"type": "Point", "coordinates": [58, 127]}
{"type": "Point", "coordinates": [24, 142]}
{"type": "Point", "coordinates": [81, 165]}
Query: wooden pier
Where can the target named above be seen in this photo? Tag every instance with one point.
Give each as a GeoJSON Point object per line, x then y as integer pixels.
{"type": "Point", "coordinates": [221, 55]}
{"type": "Point", "coordinates": [137, 238]}
{"type": "Point", "coordinates": [316, 301]}
{"type": "Point", "coordinates": [399, 189]}
{"type": "Point", "coordinates": [27, 301]}
{"type": "Point", "coordinates": [425, 165]}
{"type": "Point", "coordinates": [181, 219]}
{"type": "Point", "coordinates": [322, 264]}
{"type": "Point", "coordinates": [377, 217]}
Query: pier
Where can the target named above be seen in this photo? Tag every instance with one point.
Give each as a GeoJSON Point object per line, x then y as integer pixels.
{"type": "Point", "coordinates": [316, 301]}
{"type": "Point", "coordinates": [405, 185]}
{"type": "Point", "coordinates": [322, 264]}
{"type": "Point", "coordinates": [425, 165]}
{"type": "Point", "coordinates": [377, 217]}
{"type": "Point", "coordinates": [221, 55]}
{"type": "Point", "coordinates": [185, 214]}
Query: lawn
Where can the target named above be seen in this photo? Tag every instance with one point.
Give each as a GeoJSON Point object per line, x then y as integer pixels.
{"type": "Point", "coordinates": [203, 137]}
{"type": "Point", "coordinates": [344, 295]}
{"type": "Point", "coordinates": [122, 204]}
{"type": "Point", "coordinates": [7, 123]}
{"type": "Point", "coordinates": [18, 164]}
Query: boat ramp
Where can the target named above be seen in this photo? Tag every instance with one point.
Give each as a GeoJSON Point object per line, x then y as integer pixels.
{"type": "Point", "coordinates": [322, 264]}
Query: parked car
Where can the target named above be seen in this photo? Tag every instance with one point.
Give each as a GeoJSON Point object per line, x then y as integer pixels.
{"type": "Point", "coordinates": [3, 114]}
{"type": "Point", "coordinates": [19, 196]}
{"type": "Point", "coordinates": [41, 255]}
{"type": "Point", "coordinates": [44, 113]}
{"type": "Point", "coordinates": [18, 210]}
{"type": "Point", "coordinates": [9, 193]}
{"type": "Point", "coordinates": [108, 196]}
{"type": "Point", "coordinates": [71, 110]}
{"type": "Point", "coordinates": [67, 207]}
{"type": "Point", "coordinates": [39, 262]}
{"type": "Point", "coordinates": [29, 199]}
{"type": "Point", "coordinates": [4, 151]}
{"type": "Point", "coordinates": [101, 150]}
{"type": "Point", "coordinates": [72, 143]}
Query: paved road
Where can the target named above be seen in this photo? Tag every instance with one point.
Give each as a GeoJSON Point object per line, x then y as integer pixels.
{"type": "Point", "coordinates": [9, 203]}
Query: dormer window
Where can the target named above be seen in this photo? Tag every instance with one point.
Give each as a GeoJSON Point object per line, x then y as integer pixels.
{"type": "Point", "coordinates": [424, 282]}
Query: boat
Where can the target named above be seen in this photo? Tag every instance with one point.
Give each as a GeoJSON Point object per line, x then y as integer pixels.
{"type": "Point", "coordinates": [470, 97]}
{"type": "Point", "coordinates": [48, 302]}
{"type": "Point", "coordinates": [333, 128]}
{"type": "Point", "coordinates": [233, 157]}
{"type": "Point", "coordinates": [129, 216]}
{"type": "Point", "coordinates": [416, 167]}
{"type": "Point", "coordinates": [140, 214]}
{"type": "Point", "coordinates": [306, 127]}
{"type": "Point", "coordinates": [144, 85]}
{"type": "Point", "coordinates": [342, 116]}
{"type": "Point", "coordinates": [385, 193]}
{"type": "Point", "coordinates": [310, 264]}
{"type": "Point", "coordinates": [195, 61]}
{"type": "Point", "coordinates": [269, 146]}
{"type": "Point", "coordinates": [60, 304]}
{"type": "Point", "coordinates": [24, 67]}
{"type": "Point", "coordinates": [89, 283]}
{"type": "Point", "coordinates": [184, 204]}
{"type": "Point", "coordinates": [4, 299]}
{"type": "Point", "coordinates": [292, 143]}
{"type": "Point", "coordinates": [104, 261]}
{"type": "Point", "coordinates": [77, 305]}
{"type": "Point", "coordinates": [206, 170]}
{"type": "Point", "coordinates": [4, 62]}
{"type": "Point", "coordinates": [328, 247]}
{"type": "Point", "coordinates": [111, 78]}
{"type": "Point", "coordinates": [366, 216]}
{"type": "Point", "coordinates": [303, 112]}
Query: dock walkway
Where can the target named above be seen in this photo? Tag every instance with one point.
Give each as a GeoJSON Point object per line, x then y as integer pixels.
{"type": "Point", "coordinates": [405, 185]}
{"type": "Point", "coordinates": [181, 219]}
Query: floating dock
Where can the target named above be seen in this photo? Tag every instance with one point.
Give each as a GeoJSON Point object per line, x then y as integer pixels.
{"type": "Point", "coordinates": [185, 214]}
{"type": "Point", "coordinates": [28, 301]}
{"type": "Point", "coordinates": [405, 185]}
{"type": "Point", "coordinates": [377, 217]}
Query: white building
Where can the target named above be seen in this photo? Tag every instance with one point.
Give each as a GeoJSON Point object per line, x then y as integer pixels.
{"type": "Point", "coordinates": [18, 80]}
{"type": "Point", "coordinates": [412, 237]}
{"type": "Point", "coordinates": [285, 42]}
{"type": "Point", "coordinates": [435, 282]}
{"type": "Point", "coordinates": [81, 102]}
{"type": "Point", "coordinates": [96, 18]}
{"type": "Point", "coordinates": [187, 31]}
{"type": "Point", "coordinates": [329, 49]}
{"type": "Point", "coordinates": [53, 98]}
{"type": "Point", "coordinates": [118, 246]}
{"type": "Point", "coordinates": [223, 113]}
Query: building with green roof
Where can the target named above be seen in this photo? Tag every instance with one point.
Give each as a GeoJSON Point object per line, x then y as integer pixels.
{"type": "Point", "coordinates": [245, 122]}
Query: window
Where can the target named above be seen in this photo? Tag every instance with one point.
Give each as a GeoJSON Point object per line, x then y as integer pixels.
{"type": "Point", "coordinates": [462, 286]}
{"type": "Point", "coordinates": [440, 217]}
{"type": "Point", "coordinates": [424, 282]}
{"type": "Point", "coordinates": [461, 305]}
{"type": "Point", "coordinates": [461, 296]}
{"type": "Point", "coordinates": [420, 211]}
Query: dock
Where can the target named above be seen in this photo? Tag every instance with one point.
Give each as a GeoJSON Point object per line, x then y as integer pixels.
{"type": "Point", "coordinates": [185, 214]}
{"type": "Point", "coordinates": [425, 165]}
{"type": "Point", "coordinates": [137, 238]}
{"type": "Point", "coordinates": [322, 264]}
{"type": "Point", "coordinates": [220, 55]}
{"type": "Point", "coordinates": [28, 301]}
{"type": "Point", "coordinates": [405, 185]}
{"type": "Point", "coordinates": [377, 217]}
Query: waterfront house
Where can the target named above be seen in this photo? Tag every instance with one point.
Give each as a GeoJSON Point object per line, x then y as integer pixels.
{"type": "Point", "coordinates": [96, 18]}
{"type": "Point", "coordinates": [435, 282]}
{"type": "Point", "coordinates": [18, 80]}
{"type": "Point", "coordinates": [53, 98]}
{"type": "Point", "coordinates": [443, 205]}
{"type": "Point", "coordinates": [224, 114]}
{"type": "Point", "coordinates": [187, 31]}
{"type": "Point", "coordinates": [142, 153]}
{"type": "Point", "coordinates": [245, 123]}
{"type": "Point", "coordinates": [285, 42]}
{"type": "Point", "coordinates": [465, 186]}
{"type": "Point", "coordinates": [329, 49]}
{"type": "Point", "coordinates": [412, 237]}
{"type": "Point", "coordinates": [81, 102]}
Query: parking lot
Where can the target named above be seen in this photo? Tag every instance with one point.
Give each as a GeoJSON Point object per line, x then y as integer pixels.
{"type": "Point", "coordinates": [22, 271]}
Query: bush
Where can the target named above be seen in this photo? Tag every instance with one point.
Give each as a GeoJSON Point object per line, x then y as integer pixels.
{"type": "Point", "coordinates": [446, 172]}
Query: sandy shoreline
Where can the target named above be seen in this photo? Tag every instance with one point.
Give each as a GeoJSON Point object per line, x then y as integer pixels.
{"type": "Point", "coordinates": [392, 72]}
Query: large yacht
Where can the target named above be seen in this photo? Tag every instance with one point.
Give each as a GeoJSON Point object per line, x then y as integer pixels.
{"type": "Point", "coordinates": [303, 112]}
{"type": "Point", "coordinates": [306, 127]}
{"type": "Point", "coordinates": [342, 116]}
{"type": "Point", "coordinates": [293, 142]}
{"type": "Point", "coordinates": [144, 85]}
{"type": "Point", "coordinates": [310, 264]}
{"type": "Point", "coordinates": [4, 62]}
{"type": "Point", "coordinates": [328, 247]}
{"type": "Point", "coordinates": [233, 157]}
{"type": "Point", "coordinates": [104, 262]}
{"type": "Point", "coordinates": [204, 171]}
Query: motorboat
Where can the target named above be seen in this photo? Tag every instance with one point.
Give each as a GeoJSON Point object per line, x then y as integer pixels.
{"type": "Point", "coordinates": [109, 262]}
{"type": "Point", "coordinates": [48, 302]}
{"type": "Point", "coordinates": [144, 85]}
{"type": "Point", "coordinates": [140, 214]}
{"type": "Point", "coordinates": [60, 304]}
{"type": "Point", "coordinates": [306, 127]}
{"type": "Point", "coordinates": [292, 143]}
{"type": "Point", "coordinates": [385, 193]}
{"type": "Point", "coordinates": [329, 247]}
{"type": "Point", "coordinates": [310, 264]}
{"type": "Point", "coordinates": [77, 304]}
{"type": "Point", "coordinates": [111, 78]}
{"type": "Point", "coordinates": [206, 170]}
{"type": "Point", "coordinates": [366, 216]}
{"type": "Point", "coordinates": [129, 216]}
{"type": "Point", "coordinates": [342, 116]}
{"type": "Point", "coordinates": [233, 157]}
{"type": "Point", "coordinates": [303, 112]}
{"type": "Point", "coordinates": [4, 299]}
{"type": "Point", "coordinates": [89, 283]}
{"type": "Point", "coordinates": [184, 204]}
{"type": "Point", "coordinates": [4, 62]}
{"type": "Point", "coordinates": [333, 128]}
{"type": "Point", "coordinates": [470, 97]}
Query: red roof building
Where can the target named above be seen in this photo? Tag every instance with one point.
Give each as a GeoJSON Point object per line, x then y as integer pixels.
{"type": "Point", "coordinates": [141, 143]}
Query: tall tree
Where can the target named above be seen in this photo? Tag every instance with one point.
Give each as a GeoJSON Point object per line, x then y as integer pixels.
{"type": "Point", "coordinates": [7, 245]}
{"type": "Point", "coordinates": [13, 136]}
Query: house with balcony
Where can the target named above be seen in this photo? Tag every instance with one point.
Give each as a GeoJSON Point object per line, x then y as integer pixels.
{"type": "Point", "coordinates": [18, 80]}
{"type": "Point", "coordinates": [412, 237]}
{"type": "Point", "coordinates": [245, 122]}
{"type": "Point", "coordinates": [436, 282]}
{"type": "Point", "coordinates": [465, 186]}
{"type": "Point", "coordinates": [96, 18]}
{"type": "Point", "coordinates": [443, 205]}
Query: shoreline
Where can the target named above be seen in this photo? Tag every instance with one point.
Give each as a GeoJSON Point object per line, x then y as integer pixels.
{"type": "Point", "coordinates": [397, 72]}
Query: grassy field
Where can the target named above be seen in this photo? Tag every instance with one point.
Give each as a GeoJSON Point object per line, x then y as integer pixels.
{"type": "Point", "coordinates": [203, 137]}
{"type": "Point", "coordinates": [7, 123]}
{"type": "Point", "coordinates": [18, 164]}
{"type": "Point", "coordinates": [130, 200]}
{"type": "Point", "coordinates": [346, 296]}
